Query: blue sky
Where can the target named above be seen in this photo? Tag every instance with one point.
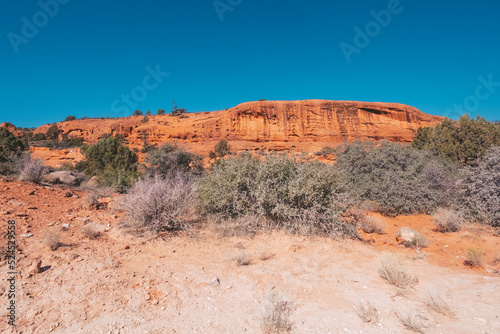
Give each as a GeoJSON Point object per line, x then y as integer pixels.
{"type": "Point", "coordinates": [84, 58]}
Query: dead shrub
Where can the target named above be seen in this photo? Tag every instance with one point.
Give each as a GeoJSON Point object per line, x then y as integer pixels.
{"type": "Point", "coordinates": [438, 304]}
{"type": "Point", "coordinates": [276, 318]}
{"type": "Point", "coordinates": [52, 239]}
{"type": "Point", "coordinates": [367, 312]}
{"type": "Point", "coordinates": [417, 241]}
{"type": "Point", "coordinates": [242, 259]}
{"type": "Point", "coordinates": [372, 225]}
{"type": "Point", "coordinates": [396, 272]}
{"type": "Point", "coordinates": [448, 220]}
{"type": "Point", "coordinates": [32, 170]}
{"type": "Point", "coordinates": [91, 231]}
{"type": "Point", "coordinates": [160, 203]}
{"type": "Point", "coordinates": [247, 225]}
{"type": "Point", "coordinates": [263, 253]}
{"type": "Point", "coordinates": [413, 322]}
{"type": "Point", "coordinates": [475, 257]}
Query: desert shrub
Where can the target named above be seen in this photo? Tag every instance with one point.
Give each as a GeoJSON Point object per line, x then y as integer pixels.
{"type": "Point", "coordinates": [298, 197]}
{"type": "Point", "coordinates": [160, 203]}
{"type": "Point", "coordinates": [367, 312]}
{"type": "Point", "coordinates": [91, 230]}
{"type": "Point", "coordinates": [480, 192]}
{"type": "Point", "coordinates": [145, 119]}
{"type": "Point", "coordinates": [53, 132]}
{"type": "Point", "coordinates": [413, 321]}
{"type": "Point", "coordinates": [161, 112]}
{"type": "Point", "coordinates": [242, 259]}
{"type": "Point", "coordinates": [172, 158]}
{"type": "Point", "coordinates": [33, 170]}
{"type": "Point", "coordinates": [396, 272]}
{"type": "Point", "coordinates": [212, 155]}
{"type": "Point", "coordinates": [52, 240]}
{"type": "Point", "coordinates": [9, 145]}
{"type": "Point", "coordinates": [148, 113]}
{"type": "Point", "coordinates": [137, 113]}
{"type": "Point", "coordinates": [438, 304]}
{"type": "Point", "coordinates": [244, 225]}
{"type": "Point", "coordinates": [371, 224]}
{"type": "Point", "coordinates": [400, 179]}
{"type": "Point", "coordinates": [474, 257]}
{"type": "Point", "coordinates": [448, 220]}
{"type": "Point", "coordinates": [112, 162]}
{"type": "Point", "coordinates": [463, 141]}
{"type": "Point", "coordinates": [276, 318]}
{"type": "Point", "coordinates": [222, 148]}
{"type": "Point", "coordinates": [69, 118]}
{"type": "Point", "coordinates": [417, 241]}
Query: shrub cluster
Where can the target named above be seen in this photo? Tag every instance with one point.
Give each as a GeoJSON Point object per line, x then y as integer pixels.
{"type": "Point", "coordinates": [299, 197]}
{"type": "Point", "coordinates": [402, 180]}
{"type": "Point", "coordinates": [11, 152]}
{"type": "Point", "coordinates": [480, 192]}
{"type": "Point", "coordinates": [464, 141]}
{"type": "Point", "coordinates": [172, 158]}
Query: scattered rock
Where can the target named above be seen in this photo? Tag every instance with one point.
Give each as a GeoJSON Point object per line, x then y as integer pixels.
{"type": "Point", "coordinates": [406, 234]}
{"type": "Point", "coordinates": [214, 282]}
{"type": "Point", "coordinates": [64, 177]}
{"type": "Point", "coordinates": [35, 267]}
{"type": "Point", "coordinates": [27, 235]}
{"type": "Point", "coordinates": [65, 226]}
{"type": "Point", "coordinates": [93, 182]}
{"type": "Point", "coordinates": [68, 194]}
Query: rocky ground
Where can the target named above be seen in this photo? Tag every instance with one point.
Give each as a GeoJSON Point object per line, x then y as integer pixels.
{"type": "Point", "coordinates": [123, 283]}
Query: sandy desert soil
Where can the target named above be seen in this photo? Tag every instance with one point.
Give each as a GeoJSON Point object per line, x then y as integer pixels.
{"type": "Point", "coordinates": [121, 283]}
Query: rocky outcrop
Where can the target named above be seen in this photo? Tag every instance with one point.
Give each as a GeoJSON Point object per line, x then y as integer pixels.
{"type": "Point", "coordinates": [277, 125]}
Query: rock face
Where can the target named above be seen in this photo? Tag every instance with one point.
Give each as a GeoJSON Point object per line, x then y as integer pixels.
{"type": "Point", "coordinates": [277, 125]}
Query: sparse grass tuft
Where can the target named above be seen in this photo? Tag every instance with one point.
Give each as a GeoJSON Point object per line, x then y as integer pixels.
{"type": "Point", "coordinates": [475, 257]}
{"type": "Point", "coordinates": [396, 272]}
{"type": "Point", "coordinates": [264, 254]}
{"type": "Point", "coordinates": [52, 240]}
{"type": "Point", "coordinates": [372, 225]}
{"type": "Point", "coordinates": [32, 170]}
{"type": "Point", "coordinates": [413, 322]}
{"type": "Point", "coordinates": [91, 231]}
{"type": "Point", "coordinates": [367, 312]}
{"type": "Point", "coordinates": [242, 259]}
{"type": "Point", "coordinates": [448, 220]}
{"type": "Point", "coordinates": [276, 318]}
{"type": "Point", "coordinates": [438, 304]}
{"type": "Point", "coordinates": [418, 241]}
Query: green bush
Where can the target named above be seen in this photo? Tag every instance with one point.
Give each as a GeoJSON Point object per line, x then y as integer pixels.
{"type": "Point", "coordinates": [69, 118]}
{"type": "Point", "coordinates": [9, 145]}
{"type": "Point", "coordinates": [463, 141]}
{"type": "Point", "coordinates": [480, 193]}
{"type": "Point", "coordinates": [145, 119]}
{"type": "Point", "coordinates": [299, 197]}
{"type": "Point", "coordinates": [222, 148]}
{"type": "Point", "coordinates": [171, 158]}
{"type": "Point", "coordinates": [148, 113]}
{"type": "Point", "coordinates": [137, 113]}
{"type": "Point", "coordinates": [113, 163]}
{"type": "Point", "coordinates": [53, 132]}
{"type": "Point", "coordinates": [400, 179]}
{"type": "Point", "coordinates": [161, 112]}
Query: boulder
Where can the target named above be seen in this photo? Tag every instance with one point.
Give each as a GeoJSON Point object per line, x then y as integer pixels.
{"type": "Point", "coordinates": [62, 177]}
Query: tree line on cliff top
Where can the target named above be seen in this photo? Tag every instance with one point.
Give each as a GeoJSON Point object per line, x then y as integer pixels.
{"type": "Point", "coordinates": [455, 165]}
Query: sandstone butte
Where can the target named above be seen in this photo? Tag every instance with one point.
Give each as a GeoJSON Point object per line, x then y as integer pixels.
{"type": "Point", "coordinates": [278, 125]}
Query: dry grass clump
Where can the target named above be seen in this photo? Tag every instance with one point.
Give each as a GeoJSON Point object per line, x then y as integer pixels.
{"type": "Point", "coordinates": [475, 257]}
{"type": "Point", "coordinates": [52, 239]}
{"type": "Point", "coordinates": [242, 259]}
{"type": "Point", "coordinates": [264, 254]}
{"type": "Point", "coordinates": [438, 304]}
{"type": "Point", "coordinates": [413, 322]}
{"type": "Point", "coordinates": [276, 318]}
{"type": "Point", "coordinates": [396, 272]}
{"type": "Point", "coordinates": [32, 170]}
{"type": "Point", "coordinates": [372, 225]}
{"type": "Point", "coordinates": [367, 312]}
{"type": "Point", "coordinates": [91, 231]}
{"type": "Point", "coordinates": [246, 225]}
{"type": "Point", "coordinates": [448, 220]}
{"type": "Point", "coordinates": [417, 241]}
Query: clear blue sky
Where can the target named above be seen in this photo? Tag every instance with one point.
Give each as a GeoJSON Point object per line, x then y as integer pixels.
{"type": "Point", "coordinates": [90, 53]}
